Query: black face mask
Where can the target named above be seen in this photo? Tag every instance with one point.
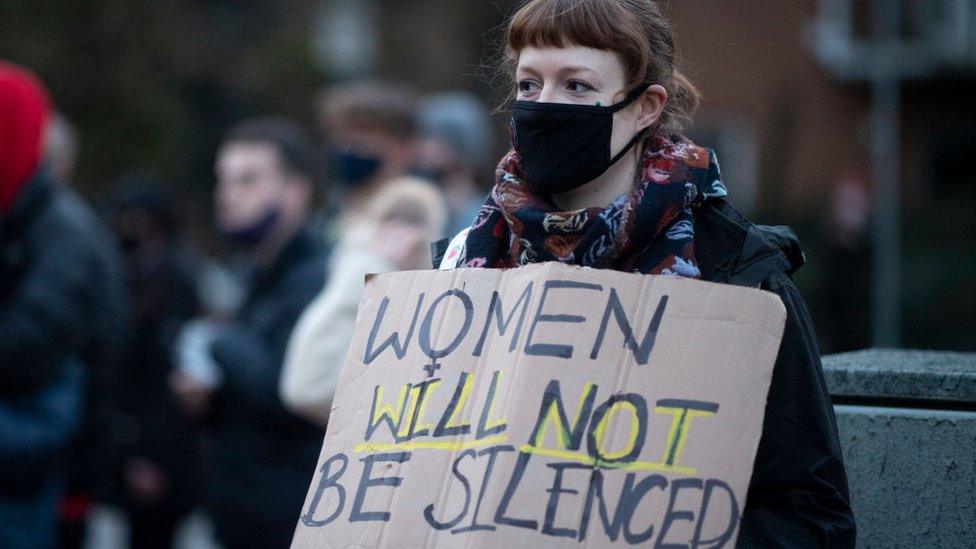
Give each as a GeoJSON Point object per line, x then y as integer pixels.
{"type": "Point", "coordinates": [352, 169]}
{"type": "Point", "coordinates": [255, 233]}
{"type": "Point", "coordinates": [563, 146]}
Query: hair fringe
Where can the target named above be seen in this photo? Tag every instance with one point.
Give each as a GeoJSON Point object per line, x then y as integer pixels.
{"type": "Point", "coordinates": [637, 30]}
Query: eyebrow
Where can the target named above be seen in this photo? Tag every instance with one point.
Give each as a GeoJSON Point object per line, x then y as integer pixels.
{"type": "Point", "coordinates": [571, 69]}
{"type": "Point", "coordinates": [576, 68]}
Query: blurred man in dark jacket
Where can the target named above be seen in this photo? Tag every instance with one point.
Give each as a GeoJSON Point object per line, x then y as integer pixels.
{"type": "Point", "coordinates": [159, 446]}
{"type": "Point", "coordinates": [264, 456]}
{"type": "Point", "coordinates": [59, 312]}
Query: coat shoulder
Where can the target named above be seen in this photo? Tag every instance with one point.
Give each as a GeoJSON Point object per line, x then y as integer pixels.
{"type": "Point", "coordinates": [732, 249]}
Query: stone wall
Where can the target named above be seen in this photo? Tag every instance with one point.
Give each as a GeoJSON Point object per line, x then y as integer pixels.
{"type": "Point", "coordinates": [907, 422]}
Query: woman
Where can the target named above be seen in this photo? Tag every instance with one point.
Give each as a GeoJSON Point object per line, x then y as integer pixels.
{"type": "Point", "coordinates": [600, 176]}
{"type": "Point", "coordinates": [398, 222]}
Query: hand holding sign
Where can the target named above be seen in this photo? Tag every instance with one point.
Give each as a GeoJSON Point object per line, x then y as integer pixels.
{"type": "Point", "coordinates": [547, 404]}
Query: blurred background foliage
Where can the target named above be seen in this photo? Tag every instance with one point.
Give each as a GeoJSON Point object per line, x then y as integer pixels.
{"type": "Point", "coordinates": [152, 85]}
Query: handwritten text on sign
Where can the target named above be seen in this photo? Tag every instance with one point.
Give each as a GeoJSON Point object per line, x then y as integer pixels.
{"type": "Point", "coordinates": [561, 403]}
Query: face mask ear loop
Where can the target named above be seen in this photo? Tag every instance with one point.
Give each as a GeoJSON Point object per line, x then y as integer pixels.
{"type": "Point", "coordinates": [631, 97]}
{"type": "Point", "coordinates": [640, 135]}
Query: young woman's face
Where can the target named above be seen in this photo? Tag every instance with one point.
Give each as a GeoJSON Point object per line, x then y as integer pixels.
{"type": "Point", "coordinates": [572, 74]}
{"type": "Point", "coordinates": [586, 76]}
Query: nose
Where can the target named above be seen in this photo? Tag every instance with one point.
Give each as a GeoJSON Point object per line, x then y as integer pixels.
{"type": "Point", "coordinates": [548, 94]}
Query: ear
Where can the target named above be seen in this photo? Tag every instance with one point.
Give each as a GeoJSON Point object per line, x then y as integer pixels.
{"type": "Point", "coordinates": [650, 105]}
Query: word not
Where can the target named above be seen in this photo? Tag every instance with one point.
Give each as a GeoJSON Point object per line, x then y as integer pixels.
{"type": "Point", "coordinates": [594, 422]}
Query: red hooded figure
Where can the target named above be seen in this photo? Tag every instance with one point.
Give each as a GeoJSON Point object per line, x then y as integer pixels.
{"type": "Point", "coordinates": [62, 321]}
{"type": "Point", "coordinates": [24, 108]}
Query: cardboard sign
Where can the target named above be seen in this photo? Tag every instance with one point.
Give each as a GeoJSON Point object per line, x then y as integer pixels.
{"type": "Point", "coordinates": [542, 406]}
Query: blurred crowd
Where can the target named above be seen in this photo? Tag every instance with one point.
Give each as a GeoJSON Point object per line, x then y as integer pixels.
{"type": "Point", "coordinates": [138, 373]}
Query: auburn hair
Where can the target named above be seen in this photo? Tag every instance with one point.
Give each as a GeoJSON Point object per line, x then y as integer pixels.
{"type": "Point", "coordinates": [638, 31]}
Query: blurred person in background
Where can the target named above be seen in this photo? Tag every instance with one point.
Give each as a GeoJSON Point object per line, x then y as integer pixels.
{"type": "Point", "coordinates": [263, 454]}
{"type": "Point", "coordinates": [395, 233]}
{"type": "Point", "coordinates": [60, 319]}
{"type": "Point", "coordinates": [92, 459]}
{"type": "Point", "coordinates": [370, 130]}
{"type": "Point", "coordinates": [61, 148]}
{"type": "Point", "coordinates": [454, 150]}
{"type": "Point", "coordinates": [158, 473]}
{"type": "Point", "coordinates": [847, 263]}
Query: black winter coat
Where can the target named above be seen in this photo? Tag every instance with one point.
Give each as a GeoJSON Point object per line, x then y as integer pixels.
{"type": "Point", "coordinates": [61, 313]}
{"type": "Point", "coordinates": [798, 495]}
{"type": "Point", "coordinates": [93, 456]}
{"type": "Point", "coordinates": [163, 298]}
{"type": "Point", "coordinates": [264, 455]}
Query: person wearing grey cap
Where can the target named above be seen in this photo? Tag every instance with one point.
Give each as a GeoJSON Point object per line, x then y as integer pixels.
{"type": "Point", "coordinates": [454, 150]}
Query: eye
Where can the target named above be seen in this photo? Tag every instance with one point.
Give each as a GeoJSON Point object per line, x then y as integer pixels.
{"type": "Point", "coordinates": [527, 87]}
{"type": "Point", "coordinates": [578, 86]}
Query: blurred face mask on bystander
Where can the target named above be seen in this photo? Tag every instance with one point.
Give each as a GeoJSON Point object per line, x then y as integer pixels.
{"type": "Point", "coordinates": [252, 188]}
{"type": "Point", "coordinates": [352, 169]}
{"type": "Point", "coordinates": [361, 156]}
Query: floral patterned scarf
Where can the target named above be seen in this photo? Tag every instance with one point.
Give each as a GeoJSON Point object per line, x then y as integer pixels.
{"type": "Point", "coordinates": [649, 229]}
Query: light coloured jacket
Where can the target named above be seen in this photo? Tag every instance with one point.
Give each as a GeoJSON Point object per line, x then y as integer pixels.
{"type": "Point", "coordinates": [318, 344]}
